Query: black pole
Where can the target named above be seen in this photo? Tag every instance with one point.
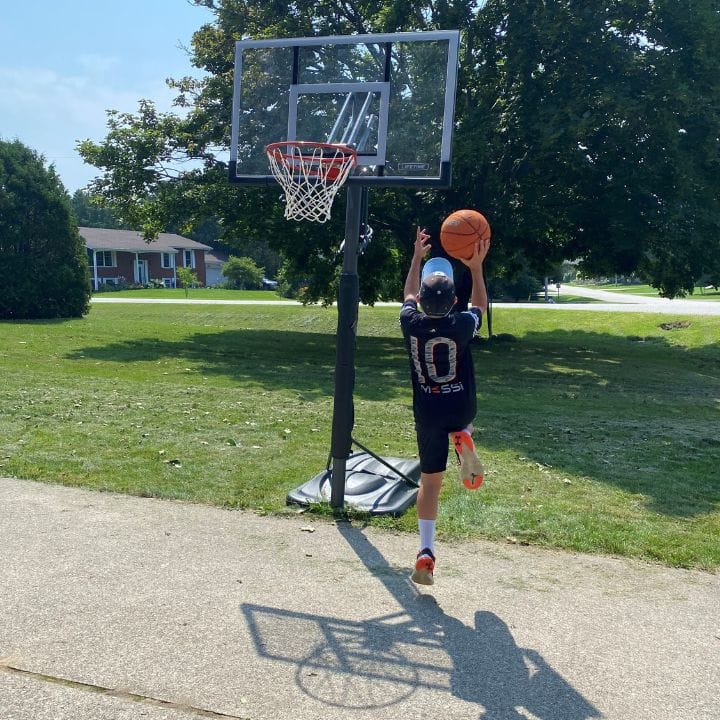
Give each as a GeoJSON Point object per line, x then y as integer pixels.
{"type": "Point", "coordinates": [488, 314]}
{"type": "Point", "coordinates": [348, 301]}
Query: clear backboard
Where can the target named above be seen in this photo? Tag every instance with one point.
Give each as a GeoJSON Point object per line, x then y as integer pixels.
{"type": "Point", "coordinates": [391, 97]}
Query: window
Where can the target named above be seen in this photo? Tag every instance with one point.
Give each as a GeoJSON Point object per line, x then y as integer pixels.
{"type": "Point", "coordinates": [105, 258]}
{"type": "Point", "coordinates": [167, 260]}
{"type": "Point", "coordinates": [188, 258]}
{"type": "Point", "coordinates": [169, 282]}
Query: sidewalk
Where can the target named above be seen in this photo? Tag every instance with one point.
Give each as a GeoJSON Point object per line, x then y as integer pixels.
{"type": "Point", "coordinates": [125, 608]}
{"type": "Point", "coordinates": [610, 302]}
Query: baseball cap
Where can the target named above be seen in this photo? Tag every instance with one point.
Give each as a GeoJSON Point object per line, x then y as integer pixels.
{"type": "Point", "coordinates": [437, 289]}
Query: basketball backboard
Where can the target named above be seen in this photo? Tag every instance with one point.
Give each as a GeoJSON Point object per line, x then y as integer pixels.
{"type": "Point", "coordinates": [389, 96]}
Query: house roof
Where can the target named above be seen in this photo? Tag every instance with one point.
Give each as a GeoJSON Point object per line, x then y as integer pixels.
{"type": "Point", "coordinates": [216, 257]}
{"type": "Point", "coordinates": [132, 241]}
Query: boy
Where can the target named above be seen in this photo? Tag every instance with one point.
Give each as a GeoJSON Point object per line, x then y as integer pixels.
{"type": "Point", "coordinates": [443, 379]}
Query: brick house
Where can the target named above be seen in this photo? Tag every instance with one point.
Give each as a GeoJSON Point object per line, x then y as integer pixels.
{"type": "Point", "coordinates": [123, 256]}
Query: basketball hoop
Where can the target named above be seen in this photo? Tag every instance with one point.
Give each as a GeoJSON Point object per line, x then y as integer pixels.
{"type": "Point", "coordinates": [310, 173]}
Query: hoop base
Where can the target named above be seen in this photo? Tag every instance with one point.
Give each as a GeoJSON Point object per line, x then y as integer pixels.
{"type": "Point", "coordinates": [370, 486]}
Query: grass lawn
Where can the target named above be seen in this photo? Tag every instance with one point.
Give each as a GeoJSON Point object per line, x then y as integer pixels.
{"type": "Point", "coordinates": [193, 294]}
{"type": "Point", "coordinates": [699, 294]}
{"type": "Point", "coordinates": [565, 298]}
{"type": "Point", "coordinates": [599, 430]}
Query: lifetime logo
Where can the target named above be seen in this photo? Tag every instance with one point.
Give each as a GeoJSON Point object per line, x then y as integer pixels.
{"type": "Point", "coordinates": [409, 166]}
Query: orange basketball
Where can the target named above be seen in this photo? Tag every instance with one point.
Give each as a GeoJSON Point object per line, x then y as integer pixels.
{"type": "Point", "coordinates": [462, 231]}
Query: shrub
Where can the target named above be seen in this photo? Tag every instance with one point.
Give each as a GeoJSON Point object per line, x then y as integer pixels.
{"type": "Point", "coordinates": [242, 274]}
{"type": "Point", "coordinates": [520, 287]}
{"type": "Point", "coordinates": [43, 262]}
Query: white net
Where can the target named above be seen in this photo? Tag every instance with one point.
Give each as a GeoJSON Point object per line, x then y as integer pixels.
{"type": "Point", "coordinates": [310, 174]}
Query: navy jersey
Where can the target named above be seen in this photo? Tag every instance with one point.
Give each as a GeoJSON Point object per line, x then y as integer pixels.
{"type": "Point", "coordinates": [441, 363]}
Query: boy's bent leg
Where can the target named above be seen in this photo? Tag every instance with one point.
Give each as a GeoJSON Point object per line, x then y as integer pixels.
{"type": "Point", "coordinates": [472, 472]}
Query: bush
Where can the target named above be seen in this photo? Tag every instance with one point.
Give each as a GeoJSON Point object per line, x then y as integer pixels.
{"type": "Point", "coordinates": [520, 287]}
{"type": "Point", "coordinates": [242, 274]}
{"type": "Point", "coordinates": [43, 262]}
{"type": "Point", "coordinates": [113, 287]}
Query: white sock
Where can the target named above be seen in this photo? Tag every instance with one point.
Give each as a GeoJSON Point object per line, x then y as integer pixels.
{"type": "Point", "coordinates": [427, 534]}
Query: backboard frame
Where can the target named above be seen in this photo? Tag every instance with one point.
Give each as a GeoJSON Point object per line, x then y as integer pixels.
{"type": "Point", "coordinates": [371, 166]}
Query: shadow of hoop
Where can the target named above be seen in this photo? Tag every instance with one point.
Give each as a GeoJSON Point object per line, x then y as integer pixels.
{"type": "Point", "coordinates": [382, 662]}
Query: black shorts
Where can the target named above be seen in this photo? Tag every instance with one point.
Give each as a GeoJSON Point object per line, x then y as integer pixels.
{"type": "Point", "coordinates": [433, 442]}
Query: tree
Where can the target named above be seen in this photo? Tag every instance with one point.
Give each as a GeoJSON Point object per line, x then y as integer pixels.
{"type": "Point", "coordinates": [586, 131]}
{"type": "Point", "coordinates": [242, 273]}
{"type": "Point", "coordinates": [43, 261]}
{"type": "Point", "coordinates": [89, 213]}
{"type": "Point", "coordinates": [594, 109]}
{"type": "Point", "coordinates": [188, 278]}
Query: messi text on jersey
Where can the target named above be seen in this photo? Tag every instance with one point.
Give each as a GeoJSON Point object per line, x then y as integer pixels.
{"type": "Point", "coordinates": [445, 389]}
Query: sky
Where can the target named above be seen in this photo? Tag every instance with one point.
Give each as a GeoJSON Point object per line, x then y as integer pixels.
{"type": "Point", "coordinates": [63, 63]}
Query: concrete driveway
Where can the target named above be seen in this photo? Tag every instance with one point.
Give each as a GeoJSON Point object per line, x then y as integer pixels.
{"type": "Point", "coordinates": [126, 608]}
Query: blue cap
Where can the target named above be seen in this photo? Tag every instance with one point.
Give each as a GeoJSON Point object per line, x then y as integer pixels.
{"type": "Point", "coordinates": [437, 289]}
{"type": "Point", "coordinates": [437, 265]}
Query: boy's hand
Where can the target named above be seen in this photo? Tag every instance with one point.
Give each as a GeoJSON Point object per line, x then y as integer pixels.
{"type": "Point", "coordinates": [481, 251]}
{"type": "Point", "coordinates": [422, 243]}
{"type": "Point", "coordinates": [412, 282]}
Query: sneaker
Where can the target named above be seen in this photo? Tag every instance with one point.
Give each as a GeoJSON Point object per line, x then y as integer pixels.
{"type": "Point", "coordinates": [472, 472]}
{"type": "Point", "coordinates": [424, 567]}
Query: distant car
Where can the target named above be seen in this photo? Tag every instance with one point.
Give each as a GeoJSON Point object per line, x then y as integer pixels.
{"type": "Point", "coordinates": [268, 284]}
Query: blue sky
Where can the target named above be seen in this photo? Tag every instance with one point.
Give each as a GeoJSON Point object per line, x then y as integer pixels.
{"type": "Point", "coordinates": [63, 63]}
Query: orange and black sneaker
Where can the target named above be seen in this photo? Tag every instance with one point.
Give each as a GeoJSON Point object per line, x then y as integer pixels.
{"type": "Point", "coordinates": [472, 472]}
{"type": "Point", "coordinates": [424, 568]}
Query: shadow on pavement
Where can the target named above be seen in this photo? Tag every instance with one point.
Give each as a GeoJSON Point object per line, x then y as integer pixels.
{"type": "Point", "coordinates": [383, 661]}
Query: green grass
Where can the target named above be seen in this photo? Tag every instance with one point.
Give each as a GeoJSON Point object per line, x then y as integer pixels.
{"type": "Point", "coordinates": [193, 294]}
{"type": "Point", "coordinates": [599, 430]}
{"type": "Point", "coordinates": [566, 298]}
{"type": "Point", "coordinates": [647, 290]}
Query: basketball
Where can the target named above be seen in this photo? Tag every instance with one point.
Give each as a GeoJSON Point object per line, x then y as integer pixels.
{"type": "Point", "coordinates": [462, 231]}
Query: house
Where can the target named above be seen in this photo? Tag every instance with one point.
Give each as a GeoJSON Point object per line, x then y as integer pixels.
{"type": "Point", "coordinates": [214, 261]}
{"type": "Point", "coordinates": [124, 257]}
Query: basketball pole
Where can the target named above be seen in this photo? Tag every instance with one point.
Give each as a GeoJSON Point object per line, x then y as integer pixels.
{"type": "Point", "coordinates": [363, 480]}
{"type": "Point", "coordinates": [348, 302]}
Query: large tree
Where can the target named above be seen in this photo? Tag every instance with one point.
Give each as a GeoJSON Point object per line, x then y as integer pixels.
{"type": "Point", "coordinates": [43, 261]}
{"type": "Point", "coordinates": [586, 131]}
{"type": "Point", "coordinates": [605, 140]}
{"type": "Point", "coordinates": [90, 213]}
